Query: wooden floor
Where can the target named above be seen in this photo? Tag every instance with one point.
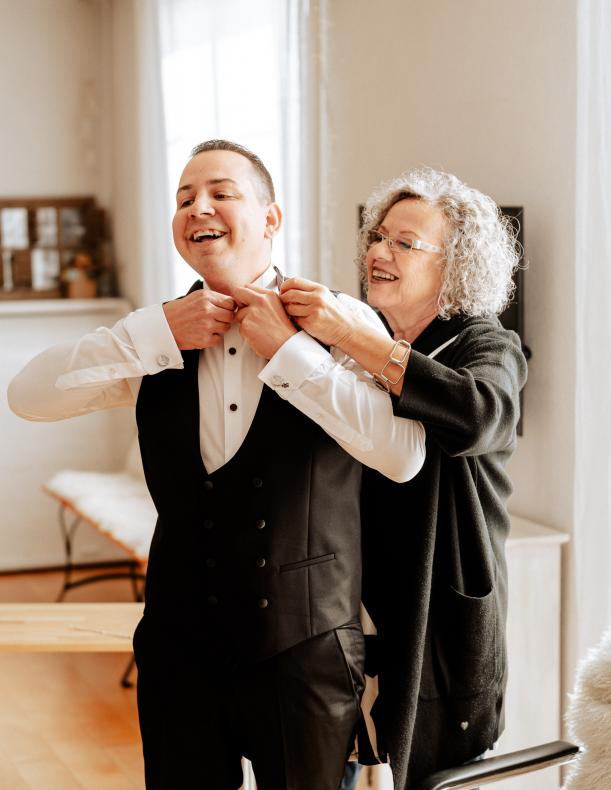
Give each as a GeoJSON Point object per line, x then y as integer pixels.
{"type": "Point", "coordinates": [65, 721]}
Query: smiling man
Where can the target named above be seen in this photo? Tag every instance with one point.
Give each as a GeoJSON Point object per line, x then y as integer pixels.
{"type": "Point", "coordinates": [225, 217]}
{"type": "Point", "coordinates": [252, 437]}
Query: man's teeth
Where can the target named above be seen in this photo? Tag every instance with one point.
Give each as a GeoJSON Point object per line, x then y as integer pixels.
{"type": "Point", "coordinates": [380, 274]}
{"type": "Point", "coordinates": [200, 235]}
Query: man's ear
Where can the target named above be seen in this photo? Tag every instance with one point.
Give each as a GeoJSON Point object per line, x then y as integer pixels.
{"type": "Point", "coordinates": [273, 220]}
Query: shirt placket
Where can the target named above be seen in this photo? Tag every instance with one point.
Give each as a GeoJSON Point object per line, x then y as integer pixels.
{"type": "Point", "coordinates": [232, 391]}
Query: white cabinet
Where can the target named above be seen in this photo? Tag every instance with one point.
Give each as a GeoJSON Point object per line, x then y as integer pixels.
{"type": "Point", "coordinates": [31, 452]}
{"type": "Point", "coordinates": [533, 708]}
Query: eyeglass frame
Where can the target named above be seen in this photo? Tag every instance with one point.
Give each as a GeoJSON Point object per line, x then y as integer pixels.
{"type": "Point", "coordinates": [415, 244]}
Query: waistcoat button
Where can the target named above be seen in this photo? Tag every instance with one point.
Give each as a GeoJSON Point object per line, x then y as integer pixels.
{"type": "Point", "coordinates": [208, 485]}
{"type": "Point", "coordinates": [262, 603]}
{"type": "Point", "coordinates": [257, 482]}
{"type": "Point", "coordinates": [208, 523]}
{"type": "Point", "coordinates": [260, 523]}
{"type": "Point", "coordinates": [210, 563]}
{"type": "Point", "coordinates": [261, 562]}
{"type": "Point", "coordinates": [212, 600]}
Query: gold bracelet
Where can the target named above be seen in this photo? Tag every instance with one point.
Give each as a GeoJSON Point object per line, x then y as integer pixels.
{"type": "Point", "coordinates": [398, 358]}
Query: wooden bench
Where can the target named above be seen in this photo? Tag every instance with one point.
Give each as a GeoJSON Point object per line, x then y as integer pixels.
{"type": "Point", "coordinates": [68, 627]}
{"type": "Point", "coordinates": [76, 627]}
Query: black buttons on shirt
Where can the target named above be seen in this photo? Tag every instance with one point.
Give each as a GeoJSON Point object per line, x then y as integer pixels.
{"type": "Point", "coordinates": [233, 406]}
{"type": "Point", "coordinates": [232, 350]}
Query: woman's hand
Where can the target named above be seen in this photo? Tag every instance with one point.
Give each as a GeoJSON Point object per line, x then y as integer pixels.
{"type": "Point", "coordinates": [263, 322]}
{"type": "Point", "coordinates": [316, 310]}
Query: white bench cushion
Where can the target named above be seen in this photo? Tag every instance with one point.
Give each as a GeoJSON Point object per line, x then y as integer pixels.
{"type": "Point", "coordinates": [118, 504]}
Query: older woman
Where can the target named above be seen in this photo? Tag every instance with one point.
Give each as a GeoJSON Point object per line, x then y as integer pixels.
{"type": "Point", "coordinates": [438, 259]}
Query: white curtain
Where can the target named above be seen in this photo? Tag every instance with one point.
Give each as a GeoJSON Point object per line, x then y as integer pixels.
{"type": "Point", "coordinates": [151, 193]}
{"type": "Point", "coordinates": [248, 72]}
{"type": "Point", "coordinates": [590, 574]}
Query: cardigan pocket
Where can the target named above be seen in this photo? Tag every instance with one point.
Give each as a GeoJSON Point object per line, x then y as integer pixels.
{"type": "Point", "coordinates": [462, 647]}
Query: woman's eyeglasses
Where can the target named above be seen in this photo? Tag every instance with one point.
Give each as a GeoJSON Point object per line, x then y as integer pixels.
{"type": "Point", "coordinates": [398, 244]}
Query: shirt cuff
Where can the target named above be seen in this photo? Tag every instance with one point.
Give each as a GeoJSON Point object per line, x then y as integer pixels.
{"type": "Point", "coordinates": [153, 340]}
{"type": "Point", "coordinates": [293, 363]}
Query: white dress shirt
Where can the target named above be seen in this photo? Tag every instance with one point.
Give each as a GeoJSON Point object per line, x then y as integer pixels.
{"type": "Point", "coordinates": [104, 369]}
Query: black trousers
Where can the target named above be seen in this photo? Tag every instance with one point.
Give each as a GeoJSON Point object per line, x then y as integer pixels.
{"type": "Point", "coordinates": [293, 715]}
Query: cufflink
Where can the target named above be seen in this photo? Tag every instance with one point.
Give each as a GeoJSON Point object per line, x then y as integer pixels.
{"type": "Point", "coordinates": [163, 360]}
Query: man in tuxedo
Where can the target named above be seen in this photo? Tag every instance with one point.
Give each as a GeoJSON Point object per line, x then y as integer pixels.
{"type": "Point", "coordinates": [252, 438]}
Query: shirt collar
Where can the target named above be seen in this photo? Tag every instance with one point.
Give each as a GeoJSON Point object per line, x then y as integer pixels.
{"type": "Point", "coordinates": [271, 278]}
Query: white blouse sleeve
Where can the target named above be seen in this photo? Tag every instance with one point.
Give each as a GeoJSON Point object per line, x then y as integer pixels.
{"type": "Point", "coordinates": [341, 397]}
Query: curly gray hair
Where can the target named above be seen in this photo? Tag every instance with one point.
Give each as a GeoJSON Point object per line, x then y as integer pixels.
{"type": "Point", "coordinates": [480, 248]}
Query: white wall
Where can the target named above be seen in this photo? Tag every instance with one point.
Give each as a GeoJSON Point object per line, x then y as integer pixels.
{"type": "Point", "coordinates": [484, 89]}
{"type": "Point", "coordinates": [126, 198]}
{"type": "Point", "coordinates": [57, 137]}
{"type": "Point", "coordinates": [487, 90]}
{"type": "Point", "coordinates": [32, 452]}
{"type": "Point", "coordinates": [69, 105]}
{"type": "Point", "coordinates": [51, 136]}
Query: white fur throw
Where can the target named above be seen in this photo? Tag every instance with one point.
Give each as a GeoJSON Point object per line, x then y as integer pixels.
{"type": "Point", "coordinates": [589, 720]}
{"type": "Point", "coordinates": [118, 504]}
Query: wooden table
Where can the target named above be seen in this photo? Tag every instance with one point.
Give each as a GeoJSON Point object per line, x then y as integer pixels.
{"type": "Point", "coordinates": [68, 627]}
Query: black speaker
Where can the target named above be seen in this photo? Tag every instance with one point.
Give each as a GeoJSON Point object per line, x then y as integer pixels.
{"type": "Point", "coordinates": [513, 315]}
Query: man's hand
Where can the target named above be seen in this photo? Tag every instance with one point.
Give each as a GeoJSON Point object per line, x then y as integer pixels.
{"type": "Point", "coordinates": [263, 323]}
{"type": "Point", "coordinates": [199, 319]}
{"type": "Point", "coordinates": [315, 309]}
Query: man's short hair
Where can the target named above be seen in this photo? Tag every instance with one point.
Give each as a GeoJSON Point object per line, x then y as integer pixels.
{"type": "Point", "coordinates": [263, 179]}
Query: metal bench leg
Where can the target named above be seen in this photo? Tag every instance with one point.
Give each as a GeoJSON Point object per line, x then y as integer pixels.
{"type": "Point", "coordinates": [125, 681]}
{"type": "Point", "coordinates": [136, 577]}
{"type": "Point", "coordinates": [68, 531]}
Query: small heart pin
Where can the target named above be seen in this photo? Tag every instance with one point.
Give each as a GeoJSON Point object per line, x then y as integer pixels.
{"type": "Point", "coordinates": [464, 725]}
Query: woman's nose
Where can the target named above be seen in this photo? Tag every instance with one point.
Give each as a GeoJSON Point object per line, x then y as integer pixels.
{"type": "Point", "coordinates": [382, 251]}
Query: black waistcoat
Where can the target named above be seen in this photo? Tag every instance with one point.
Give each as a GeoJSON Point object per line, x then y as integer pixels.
{"type": "Point", "coordinates": [264, 552]}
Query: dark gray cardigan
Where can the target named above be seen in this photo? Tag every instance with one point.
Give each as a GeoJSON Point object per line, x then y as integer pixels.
{"type": "Point", "coordinates": [435, 577]}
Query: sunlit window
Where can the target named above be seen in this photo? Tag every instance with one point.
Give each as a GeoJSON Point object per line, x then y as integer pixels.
{"type": "Point", "coordinates": [224, 71]}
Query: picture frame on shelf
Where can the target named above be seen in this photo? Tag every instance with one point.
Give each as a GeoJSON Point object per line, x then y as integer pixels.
{"type": "Point", "coordinates": [53, 248]}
